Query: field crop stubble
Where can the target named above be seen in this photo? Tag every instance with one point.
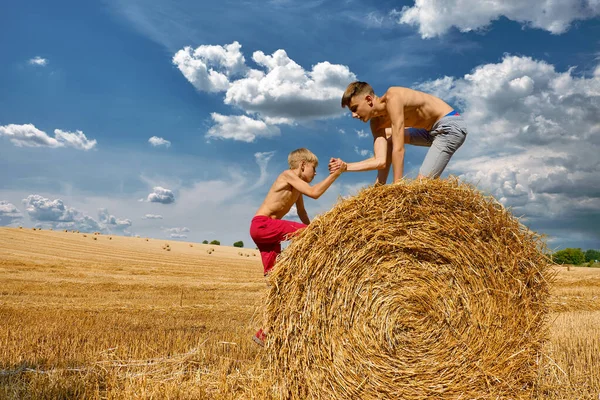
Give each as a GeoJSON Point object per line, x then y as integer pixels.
{"type": "Point", "coordinates": [122, 318]}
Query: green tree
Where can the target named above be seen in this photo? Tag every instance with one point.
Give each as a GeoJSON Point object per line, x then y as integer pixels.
{"type": "Point", "coordinates": [592, 255]}
{"type": "Point", "coordinates": [205, 242]}
{"type": "Point", "coordinates": [238, 244]}
{"type": "Point", "coordinates": [569, 256]}
{"type": "Point", "coordinates": [216, 242]}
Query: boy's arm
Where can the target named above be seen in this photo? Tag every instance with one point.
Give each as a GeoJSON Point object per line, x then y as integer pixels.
{"type": "Point", "coordinates": [302, 211]}
{"type": "Point", "coordinates": [378, 161]}
{"type": "Point", "coordinates": [314, 192]}
{"type": "Point", "coordinates": [382, 174]}
{"type": "Point", "coordinates": [395, 109]}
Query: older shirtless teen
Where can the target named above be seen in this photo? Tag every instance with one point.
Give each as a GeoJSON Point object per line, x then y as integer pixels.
{"type": "Point", "coordinates": [403, 116]}
{"type": "Point", "coordinates": [267, 229]}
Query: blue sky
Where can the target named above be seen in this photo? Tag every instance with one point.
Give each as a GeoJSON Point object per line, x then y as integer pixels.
{"type": "Point", "coordinates": [170, 119]}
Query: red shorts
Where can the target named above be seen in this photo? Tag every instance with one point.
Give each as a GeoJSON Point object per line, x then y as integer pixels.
{"type": "Point", "coordinates": [268, 233]}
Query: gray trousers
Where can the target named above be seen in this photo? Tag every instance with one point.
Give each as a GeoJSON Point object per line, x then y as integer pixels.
{"type": "Point", "coordinates": [444, 138]}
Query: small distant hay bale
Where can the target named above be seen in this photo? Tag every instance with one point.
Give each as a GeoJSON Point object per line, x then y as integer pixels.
{"type": "Point", "coordinates": [191, 245]}
{"type": "Point", "coordinates": [84, 235]}
{"type": "Point", "coordinates": [422, 289]}
{"type": "Point", "coordinates": [110, 238]}
{"type": "Point", "coordinates": [33, 229]}
{"type": "Point", "coordinates": [20, 227]}
{"type": "Point", "coordinates": [95, 238]}
{"type": "Point", "coordinates": [146, 239]}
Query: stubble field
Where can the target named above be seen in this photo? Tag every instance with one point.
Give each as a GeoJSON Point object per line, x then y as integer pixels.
{"type": "Point", "coordinates": [105, 317]}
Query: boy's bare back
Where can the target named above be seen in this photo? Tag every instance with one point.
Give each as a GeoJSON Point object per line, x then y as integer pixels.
{"type": "Point", "coordinates": [421, 110]}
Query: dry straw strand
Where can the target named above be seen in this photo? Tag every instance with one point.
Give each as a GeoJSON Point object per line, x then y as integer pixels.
{"type": "Point", "coordinates": [421, 289]}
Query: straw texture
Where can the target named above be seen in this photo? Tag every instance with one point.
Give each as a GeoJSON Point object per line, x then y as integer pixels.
{"type": "Point", "coordinates": [422, 289]}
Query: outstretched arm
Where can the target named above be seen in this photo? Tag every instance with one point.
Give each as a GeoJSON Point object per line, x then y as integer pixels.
{"type": "Point", "coordinates": [315, 191]}
{"type": "Point", "coordinates": [301, 210]}
{"type": "Point", "coordinates": [378, 161]}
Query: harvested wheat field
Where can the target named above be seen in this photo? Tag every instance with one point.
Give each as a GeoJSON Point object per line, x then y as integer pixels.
{"type": "Point", "coordinates": [121, 318]}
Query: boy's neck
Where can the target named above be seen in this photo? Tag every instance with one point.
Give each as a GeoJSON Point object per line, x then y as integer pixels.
{"type": "Point", "coordinates": [379, 107]}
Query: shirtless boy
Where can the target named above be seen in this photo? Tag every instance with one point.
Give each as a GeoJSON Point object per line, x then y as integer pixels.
{"type": "Point", "coordinates": [403, 116]}
{"type": "Point", "coordinates": [267, 229]}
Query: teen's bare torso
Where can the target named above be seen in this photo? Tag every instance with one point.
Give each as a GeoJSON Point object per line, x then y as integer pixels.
{"type": "Point", "coordinates": [421, 110]}
{"type": "Point", "coordinates": [280, 199]}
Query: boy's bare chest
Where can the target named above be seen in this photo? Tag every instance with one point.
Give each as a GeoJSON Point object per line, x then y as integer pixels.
{"type": "Point", "coordinates": [414, 116]}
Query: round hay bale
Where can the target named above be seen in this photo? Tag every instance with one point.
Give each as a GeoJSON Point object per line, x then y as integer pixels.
{"type": "Point", "coordinates": [422, 289]}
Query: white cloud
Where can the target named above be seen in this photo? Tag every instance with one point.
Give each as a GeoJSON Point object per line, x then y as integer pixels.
{"type": "Point", "coordinates": [534, 139]}
{"type": "Point", "coordinates": [436, 17]}
{"type": "Point", "coordinates": [361, 133]}
{"type": "Point", "coordinates": [177, 233]}
{"type": "Point", "coordinates": [76, 139]}
{"type": "Point", "coordinates": [43, 209]}
{"type": "Point", "coordinates": [363, 152]}
{"type": "Point", "coordinates": [240, 127]}
{"type": "Point", "coordinates": [208, 67]}
{"type": "Point", "coordinates": [54, 213]}
{"type": "Point", "coordinates": [28, 135]}
{"type": "Point", "coordinates": [113, 223]}
{"type": "Point", "coordinates": [158, 141]}
{"type": "Point", "coordinates": [262, 159]}
{"type": "Point", "coordinates": [279, 92]}
{"type": "Point", "coordinates": [283, 92]}
{"type": "Point", "coordinates": [152, 216]}
{"type": "Point", "coordinates": [161, 195]}
{"type": "Point", "coordinates": [42, 62]}
{"type": "Point", "coordinates": [182, 229]}
{"type": "Point", "coordinates": [9, 213]}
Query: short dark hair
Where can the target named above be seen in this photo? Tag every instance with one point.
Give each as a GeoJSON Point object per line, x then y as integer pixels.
{"type": "Point", "coordinates": [354, 89]}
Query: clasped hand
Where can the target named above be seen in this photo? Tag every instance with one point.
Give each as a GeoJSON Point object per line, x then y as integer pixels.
{"type": "Point", "coordinates": [336, 164]}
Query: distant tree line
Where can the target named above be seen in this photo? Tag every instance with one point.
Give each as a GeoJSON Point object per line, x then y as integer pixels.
{"type": "Point", "coordinates": [576, 256]}
{"type": "Point", "coordinates": [217, 243]}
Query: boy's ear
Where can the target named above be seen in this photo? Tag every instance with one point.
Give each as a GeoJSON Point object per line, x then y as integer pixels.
{"type": "Point", "coordinates": [302, 165]}
{"type": "Point", "coordinates": [369, 100]}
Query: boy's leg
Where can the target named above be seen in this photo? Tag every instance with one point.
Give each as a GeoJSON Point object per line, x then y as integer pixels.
{"type": "Point", "coordinates": [268, 254]}
{"type": "Point", "coordinates": [268, 234]}
{"type": "Point", "coordinates": [449, 134]}
{"type": "Point", "coordinates": [282, 230]}
{"type": "Point", "coordinates": [288, 228]}
{"type": "Point", "coordinates": [418, 137]}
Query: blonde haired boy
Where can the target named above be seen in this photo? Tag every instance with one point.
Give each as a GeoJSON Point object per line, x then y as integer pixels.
{"type": "Point", "coordinates": [267, 229]}
{"type": "Point", "coordinates": [403, 116]}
